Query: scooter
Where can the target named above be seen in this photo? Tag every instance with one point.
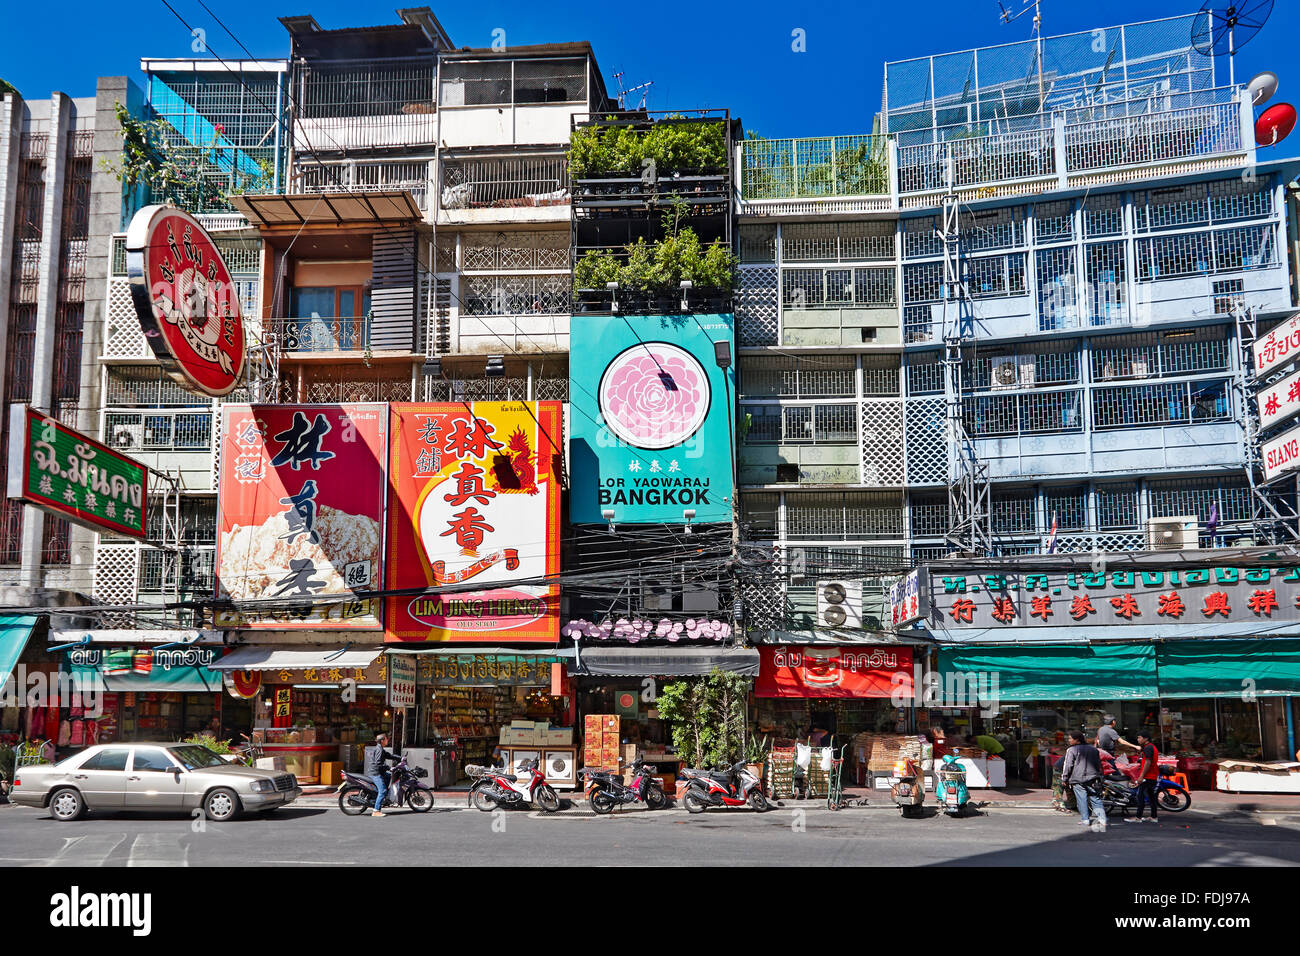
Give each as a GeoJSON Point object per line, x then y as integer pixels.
{"type": "Point", "coordinates": [605, 789]}
{"type": "Point", "coordinates": [950, 787]}
{"type": "Point", "coordinates": [736, 787]}
{"type": "Point", "coordinates": [494, 787]}
{"type": "Point", "coordinates": [357, 791]}
{"type": "Point", "coordinates": [909, 791]}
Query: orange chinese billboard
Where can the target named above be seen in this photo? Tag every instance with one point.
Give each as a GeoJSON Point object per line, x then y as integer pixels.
{"type": "Point", "coordinates": [474, 522]}
{"type": "Point", "coordinates": [301, 515]}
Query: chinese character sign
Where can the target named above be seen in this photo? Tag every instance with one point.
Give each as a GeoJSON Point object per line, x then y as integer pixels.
{"type": "Point", "coordinates": [1123, 597]}
{"type": "Point", "coordinates": [651, 429]}
{"type": "Point", "coordinates": [301, 510]}
{"type": "Point", "coordinates": [401, 681]}
{"type": "Point", "coordinates": [65, 473]}
{"type": "Point", "coordinates": [475, 511]}
{"type": "Point", "coordinates": [1279, 401]}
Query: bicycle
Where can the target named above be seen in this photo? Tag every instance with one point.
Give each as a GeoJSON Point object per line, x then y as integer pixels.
{"type": "Point", "coordinates": [249, 753]}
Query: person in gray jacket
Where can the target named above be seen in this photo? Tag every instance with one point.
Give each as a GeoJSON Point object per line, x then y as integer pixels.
{"type": "Point", "coordinates": [1081, 771]}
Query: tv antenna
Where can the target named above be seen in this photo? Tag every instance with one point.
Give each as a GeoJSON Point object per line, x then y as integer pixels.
{"type": "Point", "coordinates": [1010, 16]}
{"type": "Point", "coordinates": [1223, 30]}
{"type": "Point", "coordinates": [644, 89]}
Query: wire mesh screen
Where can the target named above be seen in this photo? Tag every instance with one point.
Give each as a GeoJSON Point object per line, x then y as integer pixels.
{"type": "Point", "coordinates": [1011, 86]}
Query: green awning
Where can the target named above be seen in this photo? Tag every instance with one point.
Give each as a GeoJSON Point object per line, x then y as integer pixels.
{"type": "Point", "coordinates": [1058, 672]}
{"type": "Point", "coordinates": [1266, 666]}
{"type": "Point", "coordinates": [15, 629]}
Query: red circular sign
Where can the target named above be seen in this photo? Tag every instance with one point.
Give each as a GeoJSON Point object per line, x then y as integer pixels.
{"type": "Point", "coordinates": [187, 304]}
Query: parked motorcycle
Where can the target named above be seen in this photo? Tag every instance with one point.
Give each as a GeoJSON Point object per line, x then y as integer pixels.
{"type": "Point", "coordinates": [950, 787]}
{"type": "Point", "coordinates": [909, 791]}
{"type": "Point", "coordinates": [494, 787]}
{"type": "Point", "coordinates": [1119, 795]}
{"type": "Point", "coordinates": [736, 787]}
{"type": "Point", "coordinates": [357, 791]}
{"type": "Point", "coordinates": [605, 789]}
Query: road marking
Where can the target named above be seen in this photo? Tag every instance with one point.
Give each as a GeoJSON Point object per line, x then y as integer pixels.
{"type": "Point", "coordinates": [91, 850]}
{"type": "Point", "coordinates": [158, 849]}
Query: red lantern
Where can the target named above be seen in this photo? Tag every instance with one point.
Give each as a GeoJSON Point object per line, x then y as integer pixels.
{"type": "Point", "coordinates": [1274, 124]}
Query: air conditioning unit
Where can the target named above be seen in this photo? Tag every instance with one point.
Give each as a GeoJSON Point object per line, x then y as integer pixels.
{"type": "Point", "coordinates": [1173, 534]}
{"type": "Point", "coordinates": [1011, 371]}
{"type": "Point", "coordinates": [126, 435]}
{"type": "Point", "coordinates": [839, 604]}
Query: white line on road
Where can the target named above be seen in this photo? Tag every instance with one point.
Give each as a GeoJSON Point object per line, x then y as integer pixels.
{"type": "Point", "coordinates": [91, 850]}
{"type": "Point", "coordinates": [158, 849]}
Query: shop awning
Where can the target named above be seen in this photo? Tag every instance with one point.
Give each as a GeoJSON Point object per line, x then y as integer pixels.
{"type": "Point", "coordinates": [1058, 672]}
{"type": "Point", "coordinates": [15, 630]}
{"type": "Point", "coordinates": [1083, 634]}
{"type": "Point", "coordinates": [1267, 667]}
{"type": "Point", "coordinates": [666, 661]}
{"type": "Point", "coordinates": [260, 657]}
{"type": "Point", "coordinates": [341, 208]}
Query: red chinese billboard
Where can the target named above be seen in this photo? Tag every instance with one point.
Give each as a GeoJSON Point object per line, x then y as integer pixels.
{"type": "Point", "coordinates": [474, 522]}
{"type": "Point", "coordinates": [804, 671]}
{"type": "Point", "coordinates": [301, 514]}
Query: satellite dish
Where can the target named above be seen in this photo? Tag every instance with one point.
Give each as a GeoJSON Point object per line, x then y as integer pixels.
{"type": "Point", "coordinates": [1261, 87]}
{"type": "Point", "coordinates": [1221, 29]}
{"type": "Point", "coordinates": [1274, 124]}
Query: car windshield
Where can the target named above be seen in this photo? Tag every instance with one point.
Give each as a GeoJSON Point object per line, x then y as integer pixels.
{"type": "Point", "coordinates": [194, 757]}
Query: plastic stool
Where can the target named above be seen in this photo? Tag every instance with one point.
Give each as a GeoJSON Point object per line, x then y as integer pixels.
{"type": "Point", "coordinates": [1181, 780]}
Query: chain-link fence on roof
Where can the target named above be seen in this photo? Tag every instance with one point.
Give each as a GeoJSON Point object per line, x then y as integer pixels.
{"type": "Point", "coordinates": [1120, 70]}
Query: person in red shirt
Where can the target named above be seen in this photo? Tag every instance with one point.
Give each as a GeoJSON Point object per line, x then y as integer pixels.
{"type": "Point", "coordinates": [1148, 774]}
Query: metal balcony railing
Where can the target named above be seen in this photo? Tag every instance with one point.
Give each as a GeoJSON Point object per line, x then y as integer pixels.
{"type": "Point", "coordinates": [499, 182]}
{"type": "Point", "coordinates": [1086, 140]}
{"type": "Point", "coordinates": [316, 333]}
{"type": "Point", "coordinates": [367, 177]}
{"type": "Point", "coordinates": [134, 430]}
{"type": "Point", "coordinates": [824, 166]}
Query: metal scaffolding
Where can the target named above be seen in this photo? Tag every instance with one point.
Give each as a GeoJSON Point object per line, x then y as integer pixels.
{"type": "Point", "coordinates": [969, 520]}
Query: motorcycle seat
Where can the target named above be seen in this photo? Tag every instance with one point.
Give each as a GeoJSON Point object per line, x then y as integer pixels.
{"type": "Point", "coordinates": [508, 777]}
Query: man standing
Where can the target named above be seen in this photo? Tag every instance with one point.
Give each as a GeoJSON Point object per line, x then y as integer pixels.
{"type": "Point", "coordinates": [1081, 771]}
{"type": "Point", "coordinates": [1108, 737]}
{"type": "Point", "coordinates": [377, 772]}
{"type": "Point", "coordinates": [1148, 774]}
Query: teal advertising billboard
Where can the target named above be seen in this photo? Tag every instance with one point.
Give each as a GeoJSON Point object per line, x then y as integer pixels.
{"type": "Point", "coordinates": [652, 422]}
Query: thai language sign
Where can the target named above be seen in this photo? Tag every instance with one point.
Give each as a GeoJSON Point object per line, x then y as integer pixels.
{"type": "Point", "coordinates": [651, 429]}
{"type": "Point", "coordinates": [1132, 597]}
{"type": "Point", "coordinates": [484, 670]}
{"type": "Point", "coordinates": [300, 515]}
{"type": "Point", "coordinates": [65, 473]}
{"type": "Point", "coordinates": [1281, 454]}
{"type": "Point", "coordinates": [474, 522]}
{"type": "Point", "coordinates": [1277, 347]}
{"type": "Point", "coordinates": [799, 671]}
{"type": "Point", "coordinates": [185, 299]}
{"type": "Point", "coordinates": [401, 682]}
{"type": "Point", "coordinates": [1279, 401]}
{"type": "Point", "coordinates": [907, 599]}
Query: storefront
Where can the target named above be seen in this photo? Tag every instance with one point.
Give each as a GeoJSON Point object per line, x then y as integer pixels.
{"type": "Point", "coordinates": [25, 679]}
{"type": "Point", "coordinates": [1205, 659]}
{"type": "Point", "coordinates": [167, 692]}
{"type": "Point", "coordinates": [622, 684]}
{"type": "Point", "coordinates": [834, 695]}
{"type": "Point", "coordinates": [316, 707]}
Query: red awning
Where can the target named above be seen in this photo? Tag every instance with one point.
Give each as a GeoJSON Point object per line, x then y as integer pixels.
{"type": "Point", "coordinates": [831, 671]}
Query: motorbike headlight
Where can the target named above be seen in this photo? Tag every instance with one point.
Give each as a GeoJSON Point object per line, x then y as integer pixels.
{"type": "Point", "coordinates": [262, 786]}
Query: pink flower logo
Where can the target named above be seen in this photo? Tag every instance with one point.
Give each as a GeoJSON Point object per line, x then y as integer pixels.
{"type": "Point", "coordinates": [654, 395]}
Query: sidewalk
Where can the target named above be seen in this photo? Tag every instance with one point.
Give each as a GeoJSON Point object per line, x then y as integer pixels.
{"type": "Point", "coordinates": [1022, 798]}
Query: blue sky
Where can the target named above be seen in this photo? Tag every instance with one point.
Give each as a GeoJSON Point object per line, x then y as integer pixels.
{"type": "Point", "coordinates": [726, 53]}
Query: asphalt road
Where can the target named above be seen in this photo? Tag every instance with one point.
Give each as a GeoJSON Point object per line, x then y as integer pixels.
{"type": "Point", "coordinates": [788, 836]}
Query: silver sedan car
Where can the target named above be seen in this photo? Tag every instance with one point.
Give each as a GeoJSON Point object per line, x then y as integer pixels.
{"type": "Point", "coordinates": [153, 777]}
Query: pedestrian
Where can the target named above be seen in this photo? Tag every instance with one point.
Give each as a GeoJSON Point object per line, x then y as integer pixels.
{"type": "Point", "coordinates": [1081, 772]}
{"type": "Point", "coordinates": [1108, 737]}
{"type": "Point", "coordinates": [1148, 774]}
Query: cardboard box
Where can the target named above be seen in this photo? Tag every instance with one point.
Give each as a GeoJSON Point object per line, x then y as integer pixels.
{"type": "Point", "coordinates": [592, 724]}
{"type": "Point", "coordinates": [331, 772]}
{"type": "Point", "coordinates": [562, 736]}
{"type": "Point", "coordinates": [270, 763]}
{"type": "Point", "coordinates": [609, 758]}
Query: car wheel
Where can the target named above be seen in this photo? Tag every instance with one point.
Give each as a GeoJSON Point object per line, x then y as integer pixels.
{"type": "Point", "coordinates": [66, 805]}
{"type": "Point", "coordinates": [221, 805]}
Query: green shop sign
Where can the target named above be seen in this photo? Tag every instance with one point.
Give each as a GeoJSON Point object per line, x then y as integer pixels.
{"type": "Point", "coordinates": [67, 474]}
{"type": "Point", "coordinates": [1129, 596]}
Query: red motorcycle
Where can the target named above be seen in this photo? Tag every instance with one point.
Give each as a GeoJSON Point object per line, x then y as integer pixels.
{"type": "Point", "coordinates": [494, 787]}
{"type": "Point", "coordinates": [736, 787]}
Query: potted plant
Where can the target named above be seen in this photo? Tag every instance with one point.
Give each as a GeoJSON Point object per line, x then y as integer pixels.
{"type": "Point", "coordinates": [756, 757]}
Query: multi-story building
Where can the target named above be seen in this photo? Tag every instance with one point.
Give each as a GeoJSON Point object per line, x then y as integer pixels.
{"type": "Point", "coordinates": [1011, 322]}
